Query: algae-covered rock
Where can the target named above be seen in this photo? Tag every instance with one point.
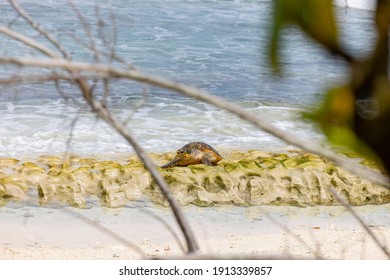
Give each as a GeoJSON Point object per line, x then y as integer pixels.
{"type": "Point", "coordinates": [13, 188]}
{"type": "Point", "coordinates": [8, 161]}
{"type": "Point", "coordinates": [88, 179]}
{"type": "Point", "coordinates": [241, 178]}
{"type": "Point", "coordinates": [112, 195]}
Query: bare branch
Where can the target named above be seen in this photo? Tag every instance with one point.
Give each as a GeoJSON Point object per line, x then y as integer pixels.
{"type": "Point", "coordinates": [166, 225]}
{"type": "Point", "coordinates": [80, 73]}
{"type": "Point", "coordinates": [87, 30]}
{"type": "Point", "coordinates": [138, 105]}
{"type": "Point", "coordinates": [106, 93]}
{"type": "Point", "coordinates": [105, 230]}
{"type": "Point", "coordinates": [112, 72]}
{"type": "Point", "coordinates": [361, 222]}
{"type": "Point", "coordinates": [101, 228]}
{"type": "Point", "coordinates": [296, 236]}
{"type": "Point", "coordinates": [114, 32]}
{"type": "Point", "coordinates": [13, 20]}
{"type": "Point", "coordinates": [29, 79]}
{"type": "Point", "coordinates": [27, 41]}
{"type": "Point", "coordinates": [111, 54]}
{"type": "Point", "coordinates": [59, 90]}
{"type": "Point", "coordinates": [70, 136]}
{"type": "Point", "coordinates": [37, 27]}
{"type": "Point", "coordinates": [104, 114]}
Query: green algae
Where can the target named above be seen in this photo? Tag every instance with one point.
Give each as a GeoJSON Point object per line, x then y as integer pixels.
{"type": "Point", "coordinates": [244, 179]}
{"type": "Point", "coordinates": [229, 167]}
{"type": "Point", "coordinates": [249, 164]}
{"type": "Point", "coordinates": [100, 165]}
{"type": "Point", "coordinates": [8, 161]}
{"type": "Point", "coordinates": [371, 164]}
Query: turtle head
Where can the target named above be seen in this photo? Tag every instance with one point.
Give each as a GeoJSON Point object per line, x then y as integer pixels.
{"type": "Point", "coordinates": [182, 155]}
{"type": "Point", "coordinates": [181, 158]}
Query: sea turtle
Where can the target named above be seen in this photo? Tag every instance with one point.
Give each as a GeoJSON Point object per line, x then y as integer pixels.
{"type": "Point", "coordinates": [194, 153]}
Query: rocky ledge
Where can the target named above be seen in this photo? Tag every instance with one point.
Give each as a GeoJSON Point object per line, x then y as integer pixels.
{"type": "Point", "coordinates": [241, 178]}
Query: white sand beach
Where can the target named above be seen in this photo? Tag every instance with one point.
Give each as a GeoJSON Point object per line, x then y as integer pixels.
{"type": "Point", "coordinates": [142, 232]}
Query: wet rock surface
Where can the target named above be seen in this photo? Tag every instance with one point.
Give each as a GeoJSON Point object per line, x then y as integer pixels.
{"type": "Point", "coordinates": [241, 178]}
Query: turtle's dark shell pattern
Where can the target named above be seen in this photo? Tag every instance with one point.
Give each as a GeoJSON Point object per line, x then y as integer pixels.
{"type": "Point", "coordinates": [194, 153]}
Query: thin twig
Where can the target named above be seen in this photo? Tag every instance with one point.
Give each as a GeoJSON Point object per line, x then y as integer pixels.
{"type": "Point", "coordinates": [70, 136]}
{"type": "Point", "coordinates": [166, 225]}
{"type": "Point", "coordinates": [137, 105]}
{"type": "Point", "coordinates": [37, 27]}
{"type": "Point", "coordinates": [112, 56]}
{"type": "Point", "coordinates": [201, 95]}
{"type": "Point", "coordinates": [13, 20]}
{"type": "Point", "coordinates": [55, 77]}
{"type": "Point", "coordinates": [59, 90]}
{"type": "Point", "coordinates": [104, 114]}
{"type": "Point", "coordinates": [87, 30]}
{"type": "Point", "coordinates": [95, 224]}
{"type": "Point", "coordinates": [110, 72]}
{"type": "Point", "coordinates": [28, 41]}
{"type": "Point", "coordinates": [105, 230]}
{"type": "Point", "coordinates": [114, 40]}
{"type": "Point", "coordinates": [106, 91]}
{"type": "Point", "coordinates": [296, 236]}
{"type": "Point", "coordinates": [361, 222]}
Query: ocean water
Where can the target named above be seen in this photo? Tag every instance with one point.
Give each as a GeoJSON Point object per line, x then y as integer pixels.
{"type": "Point", "coordinates": [218, 46]}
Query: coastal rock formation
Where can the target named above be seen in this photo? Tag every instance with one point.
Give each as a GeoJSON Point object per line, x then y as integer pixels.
{"type": "Point", "coordinates": [242, 178]}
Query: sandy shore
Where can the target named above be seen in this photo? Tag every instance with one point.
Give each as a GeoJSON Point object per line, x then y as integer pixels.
{"type": "Point", "coordinates": [144, 231]}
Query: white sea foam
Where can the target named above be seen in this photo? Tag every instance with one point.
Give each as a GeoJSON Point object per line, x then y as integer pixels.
{"type": "Point", "coordinates": [162, 127]}
{"type": "Point", "coordinates": [218, 46]}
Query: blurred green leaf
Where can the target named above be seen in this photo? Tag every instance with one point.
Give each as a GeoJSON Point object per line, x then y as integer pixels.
{"type": "Point", "coordinates": [315, 17]}
{"type": "Point", "coordinates": [336, 116]}
{"type": "Point", "coordinates": [338, 107]}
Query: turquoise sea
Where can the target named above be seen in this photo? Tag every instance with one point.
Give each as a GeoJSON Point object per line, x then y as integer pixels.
{"type": "Point", "coordinates": [218, 46]}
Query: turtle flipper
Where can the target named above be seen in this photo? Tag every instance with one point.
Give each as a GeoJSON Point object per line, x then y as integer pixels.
{"type": "Point", "coordinates": [207, 160]}
{"type": "Point", "coordinates": [170, 164]}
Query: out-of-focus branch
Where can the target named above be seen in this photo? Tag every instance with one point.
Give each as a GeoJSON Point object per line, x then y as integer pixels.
{"type": "Point", "coordinates": [137, 105]}
{"type": "Point", "coordinates": [28, 41]}
{"type": "Point", "coordinates": [105, 230]}
{"type": "Point", "coordinates": [103, 113]}
{"type": "Point", "coordinates": [81, 73]}
{"type": "Point", "coordinates": [361, 222]}
{"type": "Point", "coordinates": [87, 30]}
{"type": "Point", "coordinates": [31, 79]}
{"type": "Point", "coordinates": [112, 72]}
{"type": "Point", "coordinates": [37, 27]}
{"type": "Point", "coordinates": [297, 237]}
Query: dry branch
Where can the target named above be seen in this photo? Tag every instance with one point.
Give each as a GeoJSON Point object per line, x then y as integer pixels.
{"type": "Point", "coordinates": [37, 27]}
{"type": "Point", "coordinates": [28, 41]}
{"type": "Point", "coordinates": [109, 71]}
{"type": "Point", "coordinates": [81, 73]}
{"type": "Point", "coordinates": [87, 30]}
{"type": "Point", "coordinates": [103, 113]}
{"type": "Point", "coordinates": [106, 231]}
{"type": "Point", "coordinates": [361, 222]}
{"type": "Point", "coordinates": [297, 237]}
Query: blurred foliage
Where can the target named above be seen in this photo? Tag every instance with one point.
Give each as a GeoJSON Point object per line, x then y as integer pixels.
{"type": "Point", "coordinates": [357, 114]}
{"type": "Point", "coordinates": [314, 17]}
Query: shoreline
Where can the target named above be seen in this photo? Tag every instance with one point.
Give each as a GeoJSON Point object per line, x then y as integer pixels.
{"type": "Point", "coordinates": [328, 232]}
{"type": "Point", "coordinates": [241, 178]}
{"type": "Point", "coordinates": [135, 227]}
